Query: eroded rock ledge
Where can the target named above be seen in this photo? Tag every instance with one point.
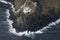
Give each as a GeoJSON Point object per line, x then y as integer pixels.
{"type": "Point", "coordinates": [42, 13]}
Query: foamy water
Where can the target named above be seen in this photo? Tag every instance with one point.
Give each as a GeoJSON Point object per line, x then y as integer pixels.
{"type": "Point", "coordinates": [26, 33]}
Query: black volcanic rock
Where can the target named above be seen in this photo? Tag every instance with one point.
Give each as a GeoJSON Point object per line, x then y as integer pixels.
{"type": "Point", "coordinates": [45, 12]}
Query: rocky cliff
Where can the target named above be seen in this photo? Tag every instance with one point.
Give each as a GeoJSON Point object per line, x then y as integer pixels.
{"type": "Point", "coordinates": [34, 14]}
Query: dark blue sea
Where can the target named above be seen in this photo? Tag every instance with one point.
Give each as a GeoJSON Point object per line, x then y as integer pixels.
{"type": "Point", "coordinates": [52, 33]}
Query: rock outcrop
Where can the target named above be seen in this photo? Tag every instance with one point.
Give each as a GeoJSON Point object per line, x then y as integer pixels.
{"type": "Point", "coordinates": [35, 14]}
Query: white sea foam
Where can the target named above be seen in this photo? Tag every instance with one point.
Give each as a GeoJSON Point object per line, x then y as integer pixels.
{"type": "Point", "coordinates": [4, 2]}
{"type": "Point", "coordinates": [26, 33]}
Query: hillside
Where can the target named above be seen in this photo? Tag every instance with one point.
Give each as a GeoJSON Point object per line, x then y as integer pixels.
{"type": "Point", "coordinates": [35, 14]}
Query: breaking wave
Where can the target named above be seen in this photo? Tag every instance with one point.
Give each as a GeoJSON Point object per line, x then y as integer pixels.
{"type": "Point", "coordinates": [26, 33]}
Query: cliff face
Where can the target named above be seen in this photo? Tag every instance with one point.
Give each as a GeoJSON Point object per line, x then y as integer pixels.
{"type": "Point", "coordinates": [35, 14]}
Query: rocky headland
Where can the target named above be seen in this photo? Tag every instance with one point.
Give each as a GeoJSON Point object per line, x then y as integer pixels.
{"type": "Point", "coordinates": [34, 14]}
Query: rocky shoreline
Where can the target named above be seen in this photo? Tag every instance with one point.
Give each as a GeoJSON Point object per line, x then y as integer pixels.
{"type": "Point", "coordinates": [44, 13]}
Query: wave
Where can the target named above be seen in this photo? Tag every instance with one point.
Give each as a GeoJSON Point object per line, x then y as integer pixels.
{"type": "Point", "coordinates": [26, 33]}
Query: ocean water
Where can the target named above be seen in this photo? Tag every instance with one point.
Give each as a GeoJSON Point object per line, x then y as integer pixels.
{"type": "Point", "coordinates": [7, 32]}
